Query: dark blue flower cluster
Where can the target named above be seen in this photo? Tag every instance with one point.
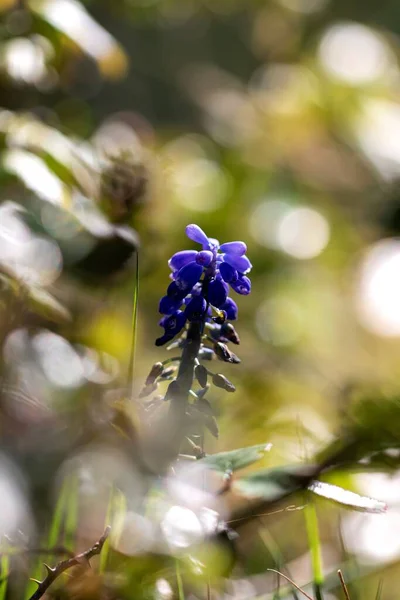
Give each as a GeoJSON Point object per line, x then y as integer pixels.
{"type": "Point", "coordinates": [201, 280]}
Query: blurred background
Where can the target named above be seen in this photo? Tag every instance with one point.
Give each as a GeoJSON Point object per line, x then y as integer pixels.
{"type": "Point", "coordinates": [272, 121]}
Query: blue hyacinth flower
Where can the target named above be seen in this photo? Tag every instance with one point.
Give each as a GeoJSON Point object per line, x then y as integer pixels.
{"type": "Point", "coordinates": [201, 280]}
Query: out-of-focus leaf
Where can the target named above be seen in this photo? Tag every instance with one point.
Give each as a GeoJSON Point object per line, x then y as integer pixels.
{"type": "Point", "coordinates": [371, 436]}
{"type": "Point", "coordinates": [43, 303]}
{"type": "Point", "coordinates": [270, 485]}
{"type": "Point", "coordinates": [70, 18]}
{"type": "Point", "coordinates": [236, 459]}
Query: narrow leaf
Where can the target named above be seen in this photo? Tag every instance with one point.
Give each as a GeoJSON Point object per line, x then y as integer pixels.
{"type": "Point", "coordinates": [347, 498]}
{"type": "Point", "coordinates": [236, 459]}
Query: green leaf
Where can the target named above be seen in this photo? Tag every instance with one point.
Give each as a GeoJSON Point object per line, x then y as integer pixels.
{"type": "Point", "coordinates": [236, 459]}
{"type": "Point", "coordinates": [271, 485]}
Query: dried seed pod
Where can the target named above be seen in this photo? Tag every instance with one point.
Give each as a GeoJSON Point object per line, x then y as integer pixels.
{"type": "Point", "coordinates": [156, 371]}
{"type": "Point", "coordinates": [124, 184]}
{"type": "Point", "coordinates": [201, 375]}
{"type": "Point", "coordinates": [221, 381]}
{"type": "Point", "coordinates": [223, 353]}
{"type": "Point", "coordinates": [228, 331]}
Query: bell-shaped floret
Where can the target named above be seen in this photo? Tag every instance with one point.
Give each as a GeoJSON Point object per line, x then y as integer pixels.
{"type": "Point", "coordinates": [217, 293]}
{"type": "Point", "coordinates": [195, 233]}
{"type": "Point", "coordinates": [182, 258]}
{"type": "Point", "coordinates": [242, 285]}
{"type": "Point", "coordinates": [189, 275]}
{"type": "Point", "coordinates": [238, 248]}
{"type": "Point", "coordinates": [231, 309]}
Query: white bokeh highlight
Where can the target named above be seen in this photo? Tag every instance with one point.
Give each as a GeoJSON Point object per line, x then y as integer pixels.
{"type": "Point", "coordinates": [378, 293]}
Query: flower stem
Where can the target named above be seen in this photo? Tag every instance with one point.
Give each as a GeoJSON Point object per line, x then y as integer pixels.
{"type": "Point", "coordinates": [310, 514]}
{"type": "Point", "coordinates": [185, 377]}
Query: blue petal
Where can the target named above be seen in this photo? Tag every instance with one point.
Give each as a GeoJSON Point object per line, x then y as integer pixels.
{"type": "Point", "coordinates": [213, 244]}
{"type": "Point", "coordinates": [242, 285]}
{"type": "Point", "coordinates": [180, 259]}
{"type": "Point", "coordinates": [196, 308]}
{"type": "Point", "coordinates": [172, 325]}
{"type": "Point", "coordinates": [169, 305]}
{"type": "Point", "coordinates": [217, 293]}
{"type": "Point", "coordinates": [167, 337]}
{"type": "Point", "coordinates": [228, 273]}
{"type": "Point", "coordinates": [195, 233]}
{"type": "Point", "coordinates": [240, 263]}
{"type": "Point", "coordinates": [231, 309]}
{"type": "Point", "coordinates": [189, 275]}
{"type": "Point", "coordinates": [204, 258]}
{"type": "Point", "coordinates": [238, 248]}
{"type": "Point", "coordinates": [175, 292]}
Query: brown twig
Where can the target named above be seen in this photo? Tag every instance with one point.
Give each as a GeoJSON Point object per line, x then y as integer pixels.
{"type": "Point", "coordinates": [292, 582]}
{"type": "Point", "coordinates": [63, 565]}
{"type": "Point", "coordinates": [344, 586]}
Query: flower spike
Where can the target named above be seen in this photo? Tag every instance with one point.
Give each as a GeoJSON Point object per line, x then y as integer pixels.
{"type": "Point", "coordinates": [201, 280]}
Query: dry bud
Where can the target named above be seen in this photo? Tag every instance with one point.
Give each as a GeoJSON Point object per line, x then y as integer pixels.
{"type": "Point", "coordinates": [223, 353]}
{"type": "Point", "coordinates": [228, 331]}
{"type": "Point", "coordinates": [156, 371]}
{"type": "Point", "coordinates": [201, 375]}
{"type": "Point", "coordinates": [222, 382]}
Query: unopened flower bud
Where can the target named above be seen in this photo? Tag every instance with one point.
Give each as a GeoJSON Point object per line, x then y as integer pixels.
{"type": "Point", "coordinates": [211, 423]}
{"type": "Point", "coordinates": [156, 371]}
{"type": "Point", "coordinates": [228, 331]}
{"type": "Point", "coordinates": [201, 375]}
{"type": "Point", "coordinates": [201, 393]}
{"type": "Point", "coordinates": [206, 354]}
{"type": "Point", "coordinates": [223, 352]}
{"type": "Point", "coordinates": [222, 382]}
{"type": "Point", "coordinates": [168, 373]}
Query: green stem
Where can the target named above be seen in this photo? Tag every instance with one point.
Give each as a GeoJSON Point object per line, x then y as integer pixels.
{"type": "Point", "coordinates": [311, 518]}
{"type": "Point", "coordinates": [135, 302]}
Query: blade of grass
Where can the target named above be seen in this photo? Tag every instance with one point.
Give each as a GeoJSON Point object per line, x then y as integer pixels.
{"type": "Point", "coordinates": [311, 518]}
{"type": "Point", "coordinates": [53, 537]}
{"type": "Point", "coordinates": [276, 554]}
{"type": "Point", "coordinates": [71, 512]}
{"type": "Point", "coordinates": [106, 547]}
{"type": "Point", "coordinates": [120, 508]}
{"type": "Point", "coordinates": [135, 303]}
{"type": "Point", "coordinates": [5, 571]}
{"type": "Point", "coordinates": [379, 590]}
{"type": "Point", "coordinates": [116, 511]}
{"type": "Point", "coordinates": [179, 583]}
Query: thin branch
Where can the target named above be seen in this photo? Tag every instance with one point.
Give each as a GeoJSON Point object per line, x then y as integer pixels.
{"type": "Point", "coordinates": [344, 586]}
{"type": "Point", "coordinates": [292, 582]}
{"type": "Point", "coordinates": [54, 572]}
